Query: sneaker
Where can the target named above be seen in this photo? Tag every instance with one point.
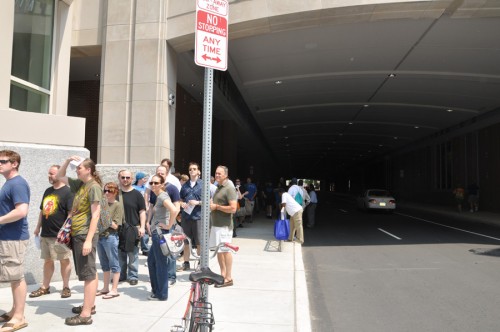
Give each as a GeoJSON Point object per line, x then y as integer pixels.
{"type": "Point", "coordinates": [133, 282]}
{"type": "Point", "coordinates": [184, 267]}
{"type": "Point", "coordinates": [152, 297]}
{"type": "Point", "coordinates": [171, 283]}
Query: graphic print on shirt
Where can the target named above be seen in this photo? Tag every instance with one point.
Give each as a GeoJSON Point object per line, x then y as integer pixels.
{"type": "Point", "coordinates": [50, 205]}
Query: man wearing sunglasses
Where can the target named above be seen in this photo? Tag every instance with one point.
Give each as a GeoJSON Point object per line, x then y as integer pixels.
{"type": "Point", "coordinates": [135, 215]}
{"type": "Point", "coordinates": [14, 236]}
{"type": "Point", "coordinates": [191, 213]}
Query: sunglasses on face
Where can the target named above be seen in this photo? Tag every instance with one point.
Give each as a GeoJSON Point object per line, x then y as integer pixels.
{"type": "Point", "coordinates": [154, 183]}
{"type": "Point", "coordinates": [4, 161]}
{"type": "Point", "coordinates": [125, 177]}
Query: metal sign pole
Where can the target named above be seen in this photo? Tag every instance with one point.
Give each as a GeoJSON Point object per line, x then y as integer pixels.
{"type": "Point", "coordinates": [206, 163]}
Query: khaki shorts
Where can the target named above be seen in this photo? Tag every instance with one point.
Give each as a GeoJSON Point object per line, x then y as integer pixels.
{"type": "Point", "coordinates": [85, 267]}
{"type": "Point", "coordinates": [52, 251]}
{"type": "Point", "coordinates": [12, 260]}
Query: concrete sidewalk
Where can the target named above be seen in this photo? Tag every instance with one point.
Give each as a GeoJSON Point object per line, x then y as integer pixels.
{"type": "Point", "coordinates": [269, 294]}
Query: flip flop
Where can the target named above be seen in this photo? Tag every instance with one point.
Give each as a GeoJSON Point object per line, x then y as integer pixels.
{"type": "Point", "coordinates": [5, 317]}
{"type": "Point", "coordinates": [99, 293]}
{"type": "Point", "coordinates": [110, 296]}
{"type": "Point", "coordinates": [10, 327]}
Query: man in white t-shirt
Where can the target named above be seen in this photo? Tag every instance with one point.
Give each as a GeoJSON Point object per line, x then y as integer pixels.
{"type": "Point", "coordinates": [295, 210]}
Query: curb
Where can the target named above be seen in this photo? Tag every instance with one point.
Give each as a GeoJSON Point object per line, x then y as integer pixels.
{"type": "Point", "coordinates": [302, 315]}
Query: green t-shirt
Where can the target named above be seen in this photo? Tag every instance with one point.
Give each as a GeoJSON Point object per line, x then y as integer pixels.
{"type": "Point", "coordinates": [85, 194]}
{"type": "Point", "coordinates": [222, 196]}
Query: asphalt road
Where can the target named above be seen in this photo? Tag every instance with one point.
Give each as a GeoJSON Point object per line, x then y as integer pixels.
{"type": "Point", "coordinates": [402, 272]}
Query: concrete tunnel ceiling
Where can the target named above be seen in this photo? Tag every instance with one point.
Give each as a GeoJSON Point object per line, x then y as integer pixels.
{"type": "Point", "coordinates": [336, 87]}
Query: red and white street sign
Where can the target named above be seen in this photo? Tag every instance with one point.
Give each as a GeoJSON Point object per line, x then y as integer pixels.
{"type": "Point", "coordinates": [211, 33]}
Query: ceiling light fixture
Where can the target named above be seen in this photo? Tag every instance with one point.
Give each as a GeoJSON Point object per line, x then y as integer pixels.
{"type": "Point", "coordinates": [284, 127]}
{"type": "Point", "coordinates": [282, 110]}
{"type": "Point", "coordinates": [449, 110]}
{"type": "Point", "coordinates": [350, 123]}
{"type": "Point", "coordinates": [391, 75]}
{"type": "Point", "coordinates": [366, 105]}
{"type": "Point", "coordinates": [278, 82]}
{"type": "Point", "coordinates": [416, 127]}
{"type": "Point", "coordinates": [395, 137]}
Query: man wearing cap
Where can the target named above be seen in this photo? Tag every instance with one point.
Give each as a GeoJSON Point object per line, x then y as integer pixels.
{"type": "Point", "coordinates": [140, 182]}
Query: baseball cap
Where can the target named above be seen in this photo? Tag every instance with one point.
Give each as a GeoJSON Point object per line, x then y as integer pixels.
{"type": "Point", "coordinates": [140, 175]}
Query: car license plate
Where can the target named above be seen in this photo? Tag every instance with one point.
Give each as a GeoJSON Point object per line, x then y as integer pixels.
{"type": "Point", "coordinates": [382, 203]}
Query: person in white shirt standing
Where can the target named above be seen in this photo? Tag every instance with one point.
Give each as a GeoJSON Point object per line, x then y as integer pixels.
{"type": "Point", "coordinates": [295, 211]}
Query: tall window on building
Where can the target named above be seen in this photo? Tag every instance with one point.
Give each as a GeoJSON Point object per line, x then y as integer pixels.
{"type": "Point", "coordinates": [32, 55]}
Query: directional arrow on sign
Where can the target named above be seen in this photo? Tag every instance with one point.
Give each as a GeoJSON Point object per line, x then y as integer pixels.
{"type": "Point", "coordinates": [205, 57]}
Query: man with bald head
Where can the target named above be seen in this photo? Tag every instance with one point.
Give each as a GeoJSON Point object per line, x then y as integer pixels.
{"type": "Point", "coordinates": [135, 215]}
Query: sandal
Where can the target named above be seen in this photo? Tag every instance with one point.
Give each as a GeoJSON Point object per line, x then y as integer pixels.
{"type": "Point", "coordinates": [78, 310]}
{"type": "Point", "coordinates": [40, 291]}
{"type": "Point", "coordinates": [66, 292]}
{"type": "Point", "coordinates": [78, 320]}
{"type": "Point", "coordinates": [99, 293]}
{"type": "Point", "coordinates": [13, 326]}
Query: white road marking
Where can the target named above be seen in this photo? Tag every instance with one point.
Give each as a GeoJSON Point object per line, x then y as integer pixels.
{"type": "Point", "coordinates": [455, 228]}
{"type": "Point", "coordinates": [394, 236]}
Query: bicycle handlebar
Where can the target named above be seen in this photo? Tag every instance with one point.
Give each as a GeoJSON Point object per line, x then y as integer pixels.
{"type": "Point", "coordinates": [230, 246]}
{"type": "Point", "coordinates": [182, 237]}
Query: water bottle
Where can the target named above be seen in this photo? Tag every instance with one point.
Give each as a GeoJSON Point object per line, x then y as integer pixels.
{"type": "Point", "coordinates": [163, 243]}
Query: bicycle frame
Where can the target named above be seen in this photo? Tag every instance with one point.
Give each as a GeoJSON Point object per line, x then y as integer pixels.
{"type": "Point", "coordinates": [198, 316]}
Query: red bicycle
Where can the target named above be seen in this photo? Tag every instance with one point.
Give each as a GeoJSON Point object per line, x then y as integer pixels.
{"type": "Point", "coordinates": [198, 316]}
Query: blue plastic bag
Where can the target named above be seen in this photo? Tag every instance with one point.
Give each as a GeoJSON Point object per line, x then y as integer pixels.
{"type": "Point", "coordinates": [282, 229]}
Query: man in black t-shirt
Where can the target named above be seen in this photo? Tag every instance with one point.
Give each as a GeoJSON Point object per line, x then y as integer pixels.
{"type": "Point", "coordinates": [54, 209]}
{"type": "Point", "coordinates": [135, 214]}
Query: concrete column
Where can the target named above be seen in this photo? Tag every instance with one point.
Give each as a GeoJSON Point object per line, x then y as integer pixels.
{"type": "Point", "coordinates": [6, 36]}
{"type": "Point", "coordinates": [136, 122]}
{"type": "Point", "coordinates": [62, 57]}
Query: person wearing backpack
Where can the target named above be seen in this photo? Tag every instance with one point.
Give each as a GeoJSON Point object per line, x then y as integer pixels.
{"type": "Point", "coordinates": [85, 215]}
{"type": "Point", "coordinates": [296, 192]}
